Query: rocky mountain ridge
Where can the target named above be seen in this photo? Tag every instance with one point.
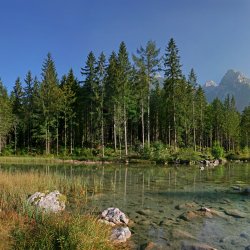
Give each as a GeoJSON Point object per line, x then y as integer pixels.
{"type": "Point", "coordinates": [233, 83]}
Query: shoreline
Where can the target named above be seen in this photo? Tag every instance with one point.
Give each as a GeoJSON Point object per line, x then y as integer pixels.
{"type": "Point", "coordinates": [49, 160]}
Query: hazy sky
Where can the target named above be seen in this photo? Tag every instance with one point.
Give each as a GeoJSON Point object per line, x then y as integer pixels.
{"type": "Point", "coordinates": [212, 35]}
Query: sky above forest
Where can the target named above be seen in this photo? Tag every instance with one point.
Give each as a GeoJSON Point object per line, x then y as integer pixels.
{"type": "Point", "coordinates": [212, 35]}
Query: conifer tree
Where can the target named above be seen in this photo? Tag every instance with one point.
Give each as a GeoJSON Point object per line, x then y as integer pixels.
{"type": "Point", "coordinates": [173, 80]}
{"type": "Point", "coordinates": [200, 116]}
{"type": "Point", "coordinates": [69, 98]}
{"type": "Point", "coordinates": [147, 63]}
{"type": "Point", "coordinates": [17, 105]}
{"type": "Point", "coordinates": [124, 75]}
{"type": "Point", "coordinates": [192, 86]}
{"type": "Point", "coordinates": [112, 96]}
{"type": "Point", "coordinates": [6, 118]}
{"type": "Point", "coordinates": [28, 104]}
{"type": "Point", "coordinates": [101, 75]}
{"type": "Point", "coordinates": [245, 127]}
{"type": "Point", "coordinates": [49, 103]}
{"type": "Point", "coordinates": [90, 100]}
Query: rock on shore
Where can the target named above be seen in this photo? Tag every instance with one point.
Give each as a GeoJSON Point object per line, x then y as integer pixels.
{"type": "Point", "coordinates": [48, 202]}
{"type": "Point", "coordinates": [114, 216]}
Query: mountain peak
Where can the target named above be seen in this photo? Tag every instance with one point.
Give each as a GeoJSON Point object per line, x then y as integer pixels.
{"type": "Point", "coordinates": [233, 83]}
{"type": "Point", "coordinates": [210, 84]}
{"type": "Point", "coordinates": [234, 77]}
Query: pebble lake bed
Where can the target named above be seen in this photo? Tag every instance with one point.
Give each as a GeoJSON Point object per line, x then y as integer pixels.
{"type": "Point", "coordinates": [168, 207]}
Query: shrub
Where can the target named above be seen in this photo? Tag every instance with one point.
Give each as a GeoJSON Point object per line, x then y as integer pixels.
{"type": "Point", "coordinates": [188, 154]}
{"type": "Point", "coordinates": [157, 152]}
{"type": "Point", "coordinates": [217, 150]}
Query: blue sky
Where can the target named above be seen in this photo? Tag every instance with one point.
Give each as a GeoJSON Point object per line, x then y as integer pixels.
{"type": "Point", "coordinates": [212, 35]}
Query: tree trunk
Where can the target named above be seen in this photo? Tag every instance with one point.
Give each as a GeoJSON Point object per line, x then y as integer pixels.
{"type": "Point", "coordinates": [46, 138]}
{"type": "Point", "coordinates": [65, 133]}
{"type": "Point", "coordinates": [142, 124]}
{"type": "Point", "coordinates": [125, 129]}
{"type": "Point", "coordinates": [148, 117]}
{"type": "Point", "coordinates": [71, 137]}
{"type": "Point", "coordinates": [102, 132]}
{"type": "Point", "coordinates": [15, 131]}
{"type": "Point", "coordinates": [194, 132]}
{"type": "Point", "coordinates": [175, 131]}
{"type": "Point", "coordinates": [115, 142]}
{"type": "Point", "coordinates": [57, 138]}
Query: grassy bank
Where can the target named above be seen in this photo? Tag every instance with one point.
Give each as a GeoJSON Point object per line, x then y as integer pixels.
{"type": "Point", "coordinates": [22, 227]}
{"type": "Point", "coordinates": [156, 153]}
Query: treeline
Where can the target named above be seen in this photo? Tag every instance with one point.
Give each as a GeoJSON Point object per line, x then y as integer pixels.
{"type": "Point", "coordinates": [118, 103]}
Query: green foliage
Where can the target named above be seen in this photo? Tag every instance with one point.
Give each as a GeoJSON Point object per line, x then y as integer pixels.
{"type": "Point", "coordinates": [8, 150]}
{"type": "Point", "coordinates": [217, 150]}
{"type": "Point", "coordinates": [188, 154]}
{"type": "Point", "coordinates": [157, 152]}
{"type": "Point", "coordinates": [117, 104]}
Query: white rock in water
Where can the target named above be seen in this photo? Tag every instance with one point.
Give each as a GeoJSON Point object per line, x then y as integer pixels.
{"type": "Point", "coordinates": [51, 202]}
{"type": "Point", "coordinates": [120, 234]}
{"type": "Point", "coordinates": [114, 215]}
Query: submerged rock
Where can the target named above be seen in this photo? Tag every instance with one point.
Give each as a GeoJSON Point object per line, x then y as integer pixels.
{"type": "Point", "coordinates": [50, 202]}
{"type": "Point", "coordinates": [235, 213]}
{"type": "Point", "coordinates": [114, 216]}
{"type": "Point", "coordinates": [145, 212]}
{"type": "Point", "coordinates": [120, 234]}
{"type": "Point", "coordinates": [180, 234]}
{"type": "Point", "coordinates": [196, 246]}
{"type": "Point", "coordinates": [189, 215]}
{"type": "Point", "coordinates": [186, 205]}
{"type": "Point", "coordinates": [236, 188]}
{"type": "Point", "coordinates": [153, 246]}
{"type": "Point", "coordinates": [246, 191]}
{"type": "Point", "coordinates": [203, 212]}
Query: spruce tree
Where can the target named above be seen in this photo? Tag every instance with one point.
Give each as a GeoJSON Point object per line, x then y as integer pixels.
{"type": "Point", "coordinates": [69, 98]}
{"type": "Point", "coordinates": [49, 103]}
{"type": "Point", "coordinates": [111, 98]}
{"type": "Point", "coordinates": [192, 87]}
{"type": "Point", "coordinates": [245, 127]}
{"type": "Point", "coordinates": [6, 117]}
{"type": "Point", "coordinates": [147, 63]}
{"type": "Point", "coordinates": [124, 75]}
{"type": "Point", "coordinates": [28, 104]}
{"type": "Point", "coordinates": [172, 86]}
{"type": "Point", "coordinates": [101, 75]}
{"type": "Point", "coordinates": [18, 112]}
{"type": "Point", "coordinates": [90, 100]}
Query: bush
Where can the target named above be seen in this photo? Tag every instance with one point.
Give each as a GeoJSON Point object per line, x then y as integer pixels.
{"type": "Point", "coordinates": [157, 152]}
{"type": "Point", "coordinates": [8, 150]}
{"type": "Point", "coordinates": [188, 154]}
{"type": "Point", "coordinates": [217, 150]}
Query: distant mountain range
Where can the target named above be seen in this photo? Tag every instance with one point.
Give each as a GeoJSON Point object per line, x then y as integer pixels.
{"type": "Point", "coordinates": [233, 83]}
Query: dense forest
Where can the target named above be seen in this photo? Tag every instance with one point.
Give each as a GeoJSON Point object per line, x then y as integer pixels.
{"type": "Point", "coordinates": [118, 103]}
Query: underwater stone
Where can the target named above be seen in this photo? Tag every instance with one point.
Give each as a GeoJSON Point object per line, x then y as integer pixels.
{"type": "Point", "coordinates": [196, 246]}
{"type": "Point", "coordinates": [235, 213]}
{"type": "Point", "coordinates": [120, 234]}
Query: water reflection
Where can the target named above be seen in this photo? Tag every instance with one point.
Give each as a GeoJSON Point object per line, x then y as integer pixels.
{"type": "Point", "coordinates": [149, 195]}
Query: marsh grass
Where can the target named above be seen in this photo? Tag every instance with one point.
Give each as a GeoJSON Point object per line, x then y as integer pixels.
{"type": "Point", "coordinates": [61, 231]}
{"type": "Point", "coordinates": [23, 227]}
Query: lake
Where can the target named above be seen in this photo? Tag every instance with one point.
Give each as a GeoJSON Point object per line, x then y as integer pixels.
{"type": "Point", "coordinates": [162, 201]}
